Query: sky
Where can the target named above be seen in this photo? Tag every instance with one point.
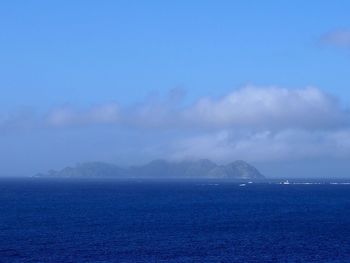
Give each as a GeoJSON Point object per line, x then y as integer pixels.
{"type": "Point", "coordinates": [131, 81]}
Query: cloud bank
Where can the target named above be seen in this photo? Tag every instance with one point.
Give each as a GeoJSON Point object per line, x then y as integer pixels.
{"type": "Point", "coordinates": [249, 107]}
{"type": "Point", "coordinates": [251, 123]}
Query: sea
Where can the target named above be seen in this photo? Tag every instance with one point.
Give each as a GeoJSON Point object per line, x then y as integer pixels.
{"type": "Point", "coordinates": [91, 220]}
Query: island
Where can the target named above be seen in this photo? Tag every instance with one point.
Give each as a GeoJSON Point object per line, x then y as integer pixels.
{"type": "Point", "coordinates": [162, 169]}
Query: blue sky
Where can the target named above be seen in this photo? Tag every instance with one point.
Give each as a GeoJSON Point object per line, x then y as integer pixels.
{"type": "Point", "coordinates": [71, 70]}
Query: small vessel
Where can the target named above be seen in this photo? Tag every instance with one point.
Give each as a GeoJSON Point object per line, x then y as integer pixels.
{"type": "Point", "coordinates": [242, 185]}
{"type": "Point", "coordinates": [285, 182]}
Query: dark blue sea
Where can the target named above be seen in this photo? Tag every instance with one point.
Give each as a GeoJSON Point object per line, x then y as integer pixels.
{"type": "Point", "coordinates": [51, 220]}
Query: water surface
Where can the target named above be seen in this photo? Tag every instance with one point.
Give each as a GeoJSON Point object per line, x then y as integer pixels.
{"type": "Point", "coordinates": [51, 220]}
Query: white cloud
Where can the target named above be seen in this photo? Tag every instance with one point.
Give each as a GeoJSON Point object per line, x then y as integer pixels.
{"type": "Point", "coordinates": [251, 123]}
{"type": "Point", "coordinates": [229, 145]}
{"type": "Point", "coordinates": [340, 38]}
{"type": "Point", "coordinates": [249, 107]}
{"type": "Point", "coordinates": [268, 107]}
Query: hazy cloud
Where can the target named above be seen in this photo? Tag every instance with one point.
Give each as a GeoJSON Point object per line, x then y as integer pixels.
{"type": "Point", "coordinates": [69, 116]}
{"type": "Point", "coordinates": [265, 145]}
{"type": "Point", "coordinates": [20, 120]}
{"type": "Point", "coordinates": [252, 123]}
{"type": "Point", "coordinates": [250, 107]}
{"type": "Point", "coordinates": [339, 38]}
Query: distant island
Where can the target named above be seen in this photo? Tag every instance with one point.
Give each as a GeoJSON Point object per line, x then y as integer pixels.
{"type": "Point", "coordinates": [162, 169]}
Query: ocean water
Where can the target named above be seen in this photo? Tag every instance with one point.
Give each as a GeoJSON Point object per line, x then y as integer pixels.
{"type": "Point", "coordinates": [50, 220]}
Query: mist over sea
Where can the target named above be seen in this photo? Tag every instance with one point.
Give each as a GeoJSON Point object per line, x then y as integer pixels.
{"type": "Point", "coordinates": [95, 220]}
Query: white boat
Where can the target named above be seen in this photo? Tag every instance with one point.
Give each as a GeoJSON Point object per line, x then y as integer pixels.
{"type": "Point", "coordinates": [285, 182]}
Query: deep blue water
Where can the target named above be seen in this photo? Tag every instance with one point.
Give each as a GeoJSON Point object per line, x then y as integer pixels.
{"type": "Point", "coordinates": [45, 220]}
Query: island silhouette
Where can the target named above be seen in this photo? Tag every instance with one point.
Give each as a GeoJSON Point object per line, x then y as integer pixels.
{"type": "Point", "coordinates": [202, 168]}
